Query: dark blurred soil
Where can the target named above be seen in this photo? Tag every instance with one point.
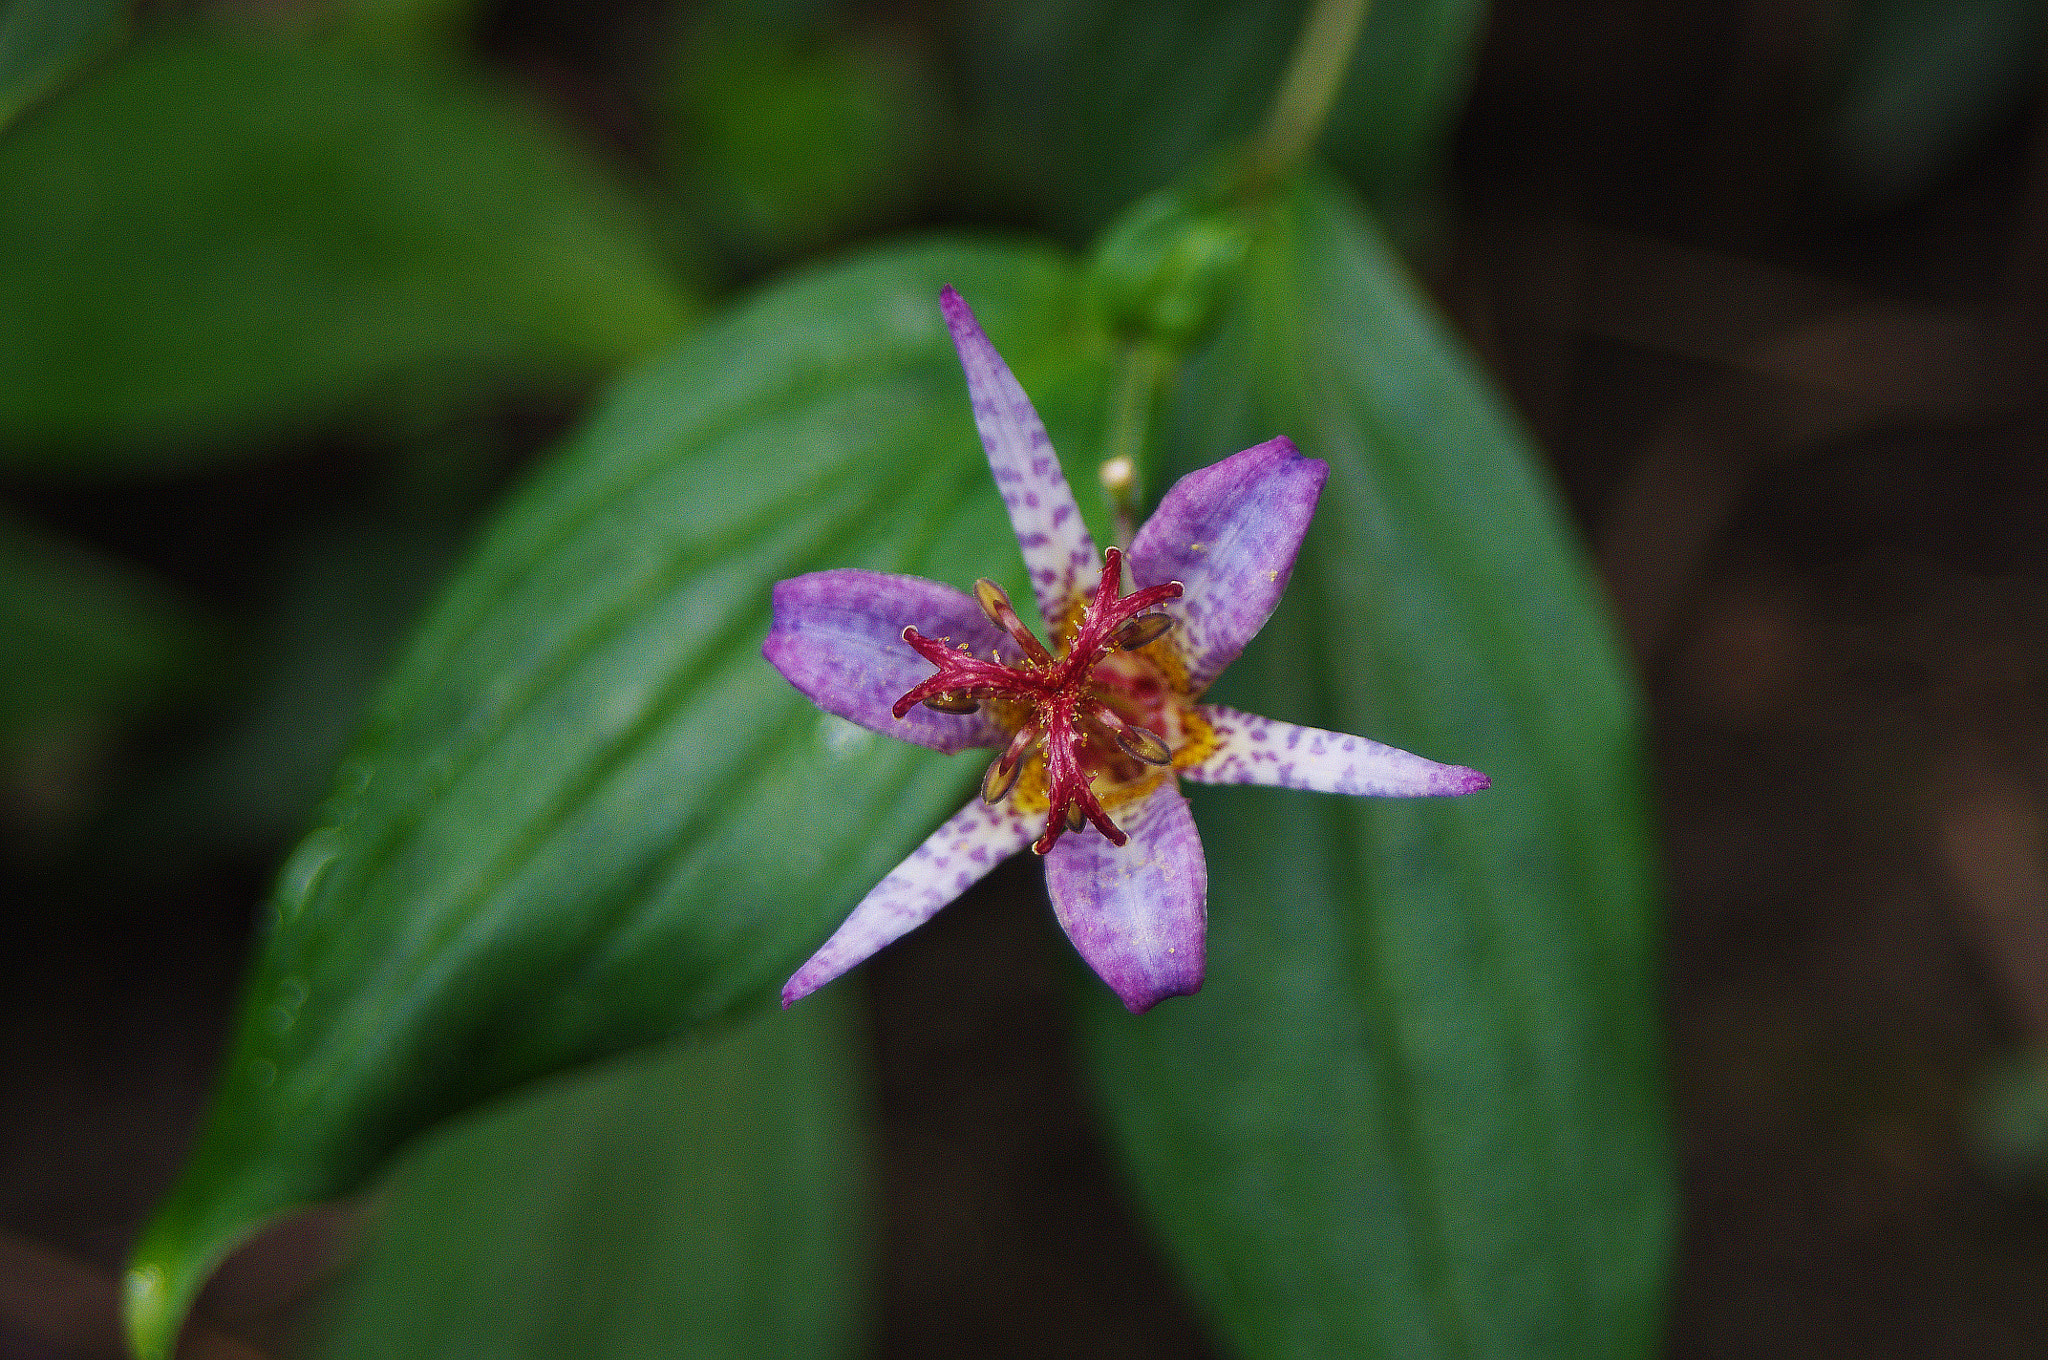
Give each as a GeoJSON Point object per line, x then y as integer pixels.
{"type": "Point", "coordinates": [1804, 438]}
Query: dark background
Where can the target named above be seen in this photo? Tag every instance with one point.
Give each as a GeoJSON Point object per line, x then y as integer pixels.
{"type": "Point", "coordinates": [1796, 407]}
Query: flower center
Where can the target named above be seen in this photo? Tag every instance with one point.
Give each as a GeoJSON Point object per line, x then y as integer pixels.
{"type": "Point", "coordinates": [1097, 708]}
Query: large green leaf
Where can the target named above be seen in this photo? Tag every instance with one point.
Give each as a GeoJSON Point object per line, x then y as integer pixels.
{"type": "Point", "coordinates": [44, 41]}
{"type": "Point", "coordinates": [1417, 1109]}
{"type": "Point", "coordinates": [213, 238]}
{"type": "Point", "coordinates": [1174, 78]}
{"type": "Point", "coordinates": [585, 813]}
{"type": "Point", "coordinates": [704, 1203]}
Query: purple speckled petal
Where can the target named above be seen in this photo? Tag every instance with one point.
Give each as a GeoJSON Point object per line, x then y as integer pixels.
{"type": "Point", "coordinates": [1229, 533]}
{"type": "Point", "coordinates": [951, 860]}
{"type": "Point", "coordinates": [838, 637]}
{"type": "Point", "coordinates": [1055, 543]}
{"type": "Point", "coordinates": [1138, 914]}
{"type": "Point", "coordinates": [1255, 750]}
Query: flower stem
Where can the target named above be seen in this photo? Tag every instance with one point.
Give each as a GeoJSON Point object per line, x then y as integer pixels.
{"type": "Point", "coordinates": [1314, 75]}
{"type": "Point", "coordinates": [1140, 371]}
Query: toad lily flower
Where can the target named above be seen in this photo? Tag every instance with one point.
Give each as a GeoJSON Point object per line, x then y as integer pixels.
{"type": "Point", "coordinates": [1094, 732]}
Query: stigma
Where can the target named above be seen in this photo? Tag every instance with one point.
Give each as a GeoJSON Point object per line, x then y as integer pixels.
{"type": "Point", "coordinates": [1091, 710]}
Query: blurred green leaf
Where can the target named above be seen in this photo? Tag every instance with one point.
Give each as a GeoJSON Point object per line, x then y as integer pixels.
{"type": "Point", "coordinates": [1921, 81]}
{"type": "Point", "coordinates": [585, 813]}
{"type": "Point", "coordinates": [84, 645]}
{"type": "Point", "coordinates": [44, 41]}
{"type": "Point", "coordinates": [702, 1203]}
{"type": "Point", "coordinates": [79, 635]}
{"type": "Point", "coordinates": [213, 239]}
{"type": "Point", "coordinates": [2008, 1124]}
{"type": "Point", "coordinates": [1093, 103]}
{"type": "Point", "coordinates": [417, 25]}
{"type": "Point", "coordinates": [343, 602]}
{"type": "Point", "coordinates": [1417, 1110]}
{"type": "Point", "coordinates": [785, 138]}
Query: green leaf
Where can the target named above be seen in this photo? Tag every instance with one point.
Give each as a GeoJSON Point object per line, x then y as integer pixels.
{"type": "Point", "coordinates": [215, 239]}
{"type": "Point", "coordinates": [1417, 1110]}
{"type": "Point", "coordinates": [84, 642]}
{"type": "Point", "coordinates": [1174, 78]}
{"type": "Point", "coordinates": [2008, 1121]}
{"type": "Point", "coordinates": [697, 1204]}
{"type": "Point", "coordinates": [1921, 82]}
{"type": "Point", "coordinates": [785, 138]}
{"type": "Point", "coordinates": [42, 42]}
{"type": "Point", "coordinates": [585, 813]}
{"type": "Point", "coordinates": [431, 26]}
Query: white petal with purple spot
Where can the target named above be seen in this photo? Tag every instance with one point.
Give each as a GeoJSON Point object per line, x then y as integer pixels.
{"type": "Point", "coordinates": [1255, 750]}
{"type": "Point", "coordinates": [1138, 913]}
{"type": "Point", "coordinates": [1229, 533]}
{"type": "Point", "coordinates": [1056, 544]}
{"type": "Point", "coordinates": [838, 637]}
{"type": "Point", "coordinates": [952, 859]}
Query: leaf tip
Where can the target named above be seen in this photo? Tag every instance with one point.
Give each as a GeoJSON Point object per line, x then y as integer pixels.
{"type": "Point", "coordinates": [151, 1315]}
{"type": "Point", "coordinates": [174, 1259]}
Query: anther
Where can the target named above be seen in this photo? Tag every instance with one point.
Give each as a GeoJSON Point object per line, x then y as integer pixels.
{"type": "Point", "coordinates": [1140, 744]}
{"type": "Point", "coordinates": [995, 603]}
{"type": "Point", "coordinates": [1002, 772]}
{"type": "Point", "coordinates": [1141, 630]}
{"type": "Point", "coordinates": [999, 779]}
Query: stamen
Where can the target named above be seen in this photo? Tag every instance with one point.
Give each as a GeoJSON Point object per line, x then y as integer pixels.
{"type": "Point", "coordinates": [1020, 744]}
{"type": "Point", "coordinates": [999, 779]}
{"type": "Point", "coordinates": [957, 673]}
{"type": "Point", "coordinates": [1140, 743]}
{"type": "Point", "coordinates": [996, 604]}
{"type": "Point", "coordinates": [1003, 771]}
{"type": "Point", "coordinates": [1059, 695]}
{"type": "Point", "coordinates": [1144, 629]}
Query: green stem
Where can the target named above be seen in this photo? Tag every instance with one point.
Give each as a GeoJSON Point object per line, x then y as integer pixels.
{"type": "Point", "coordinates": [1314, 75]}
{"type": "Point", "coordinates": [1140, 371]}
